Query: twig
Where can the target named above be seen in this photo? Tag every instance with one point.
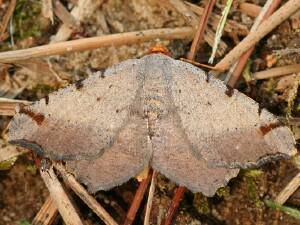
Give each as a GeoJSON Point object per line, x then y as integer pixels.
{"type": "Point", "coordinates": [178, 196]}
{"type": "Point", "coordinates": [150, 199]}
{"type": "Point", "coordinates": [250, 9]}
{"type": "Point", "coordinates": [97, 42]}
{"type": "Point", "coordinates": [62, 202]}
{"type": "Point", "coordinates": [236, 70]}
{"type": "Point", "coordinates": [198, 38]}
{"type": "Point", "coordinates": [267, 26]}
{"type": "Point", "coordinates": [7, 16]}
{"type": "Point", "coordinates": [63, 14]}
{"type": "Point", "coordinates": [289, 189]}
{"type": "Point", "coordinates": [139, 195]}
{"type": "Point", "coordinates": [85, 196]}
{"type": "Point", "coordinates": [197, 64]}
{"type": "Point", "coordinates": [230, 26]}
{"type": "Point", "coordinates": [47, 213]}
{"type": "Point", "coordinates": [192, 19]}
{"type": "Point", "coordinates": [276, 72]}
{"type": "Point", "coordinates": [7, 106]}
{"type": "Point", "coordinates": [47, 10]}
{"type": "Point", "coordinates": [10, 152]}
{"type": "Point", "coordinates": [80, 12]}
{"type": "Point", "coordinates": [189, 16]}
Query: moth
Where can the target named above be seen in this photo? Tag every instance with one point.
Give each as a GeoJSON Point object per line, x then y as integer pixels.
{"type": "Point", "coordinates": [157, 112]}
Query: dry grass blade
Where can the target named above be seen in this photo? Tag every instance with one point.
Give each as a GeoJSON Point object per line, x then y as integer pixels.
{"type": "Point", "coordinates": [276, 72]}
{"type": "Point", "coordinates": [230, 26]}
{"type": "Point", "coordinates": [192, 19]}
{"type": "Point", "coordinates": [97, 42]}
{"type": "Point", "coordinates": [220, 29]}
{"type": "Point", "coordinates": [139, 195]}
{"type": "Point", "coordinates": [290, 188]}
{"type": "Point", "coordinates": [85, 196]}
{"type": "Point", "coordinates": [47, 213]}
{"type": "Point", "coordinates": [61, 199]}
{"type": "Point", "coordinates": [7, 106]}
{"type": "Point", "coordinates": [267, 26]}
{"type": "Point", "coordinates": [200, 30]}
{"type": "Point", "coordinates": [150, 199]}
{"type": "Point", "coordinates": [6, 18]}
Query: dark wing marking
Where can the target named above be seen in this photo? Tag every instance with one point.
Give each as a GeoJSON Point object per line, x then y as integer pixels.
{"type": "Point", "coordinates": [225, 131]}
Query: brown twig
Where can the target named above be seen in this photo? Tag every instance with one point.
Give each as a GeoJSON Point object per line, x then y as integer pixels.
{"type": "Point", "coordinates": [84, 195]}
{"type": "Point", "coordinates": [198, 38]}
{"type": "Point", "coordinates": [97, 42]}
{"type": "Point", "coordinates": [63, 14]}
{"type": "Point", "coordinates": [213, 20]}
{"type": "Point", "coordinates": [192, 19]}
{"type": "Point", "coordinates": [178, 196]}
{"type": "Point", "coordinates": [47, 213]}
{"type": "Point", "coordinates": [197, 64]}
{"type": "Point", "coordinates": [276, 72]}
{"type": "Point", "coordinates": [7, 16]}
{"type": "Point", "coordinates": [267, 11]}
{"type": "Point", "coordinates": [266, 27]}
{"type": "Point", "coordinates": [150, 199]}
{"type": "Point", "coordinates": [7, 106]}
{"type": "Point", "coordinates": [60, 198]}
{"type": "Point", "coordinates": [250, 9]}
{"type": "Point", "coordinates": [139, 195]}
{"type": "Point", "coordinates": [289, 189]}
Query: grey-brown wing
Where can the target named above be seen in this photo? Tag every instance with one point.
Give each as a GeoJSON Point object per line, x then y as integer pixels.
{"type": "Point", "coordinates": [172, 157]}
{"type": "Point", "coordinates": [225, 130]}
{"type": "Point", "coordinates": [128, 156]}
{"type": "Point", "coordinates": [80, 121]}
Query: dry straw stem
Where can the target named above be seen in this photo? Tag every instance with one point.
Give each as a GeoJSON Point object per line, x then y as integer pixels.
{"type": "Point", "coordinates": [97, 42]}
{"type": "Point", "coordinates": [85, 196]}
{"type": "Point", "coordinates": [8, 106]}
{"type": "Point", "coordinates": [276, 72]}
{"type": "Point", "coordinates": [63, 14]}
{"type": "Point", "coordinates": [47, 213]}
{"type": "Point", "coordinates": [59, 196]}
{"type": "Point", "coordinates": [250, 9]}
{"type": "Point", "coordinates": [289, 189]}
{"type": "Point", "coordinates": [7, 16]}
{"type": "Point", "coordinates": [139, 195]}
{"type": "Point", "coordinates": [200, 30]}
{"type": "Point", "coordinates": [82, 10]}
{"type": "Point", "coordinates": [150, 199]}
{"type": "Point", "coordinates": [267, 26]}
{"type": "Point", "coordinates": [236, 70]}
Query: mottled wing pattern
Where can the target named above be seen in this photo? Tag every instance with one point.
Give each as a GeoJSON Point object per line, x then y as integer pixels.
{"type": "Point", "coordinates": [225, 130]}
{"type": "Point", "coordinates": [128, 156]}
{"type": "Point", "coordinates": [173, 158]}
{"type": "Point", "coordinates": [80, 121]}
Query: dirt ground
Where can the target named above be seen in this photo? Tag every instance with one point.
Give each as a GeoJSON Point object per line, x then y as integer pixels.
{"type": "Point", "coordinates": [22, 192]}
